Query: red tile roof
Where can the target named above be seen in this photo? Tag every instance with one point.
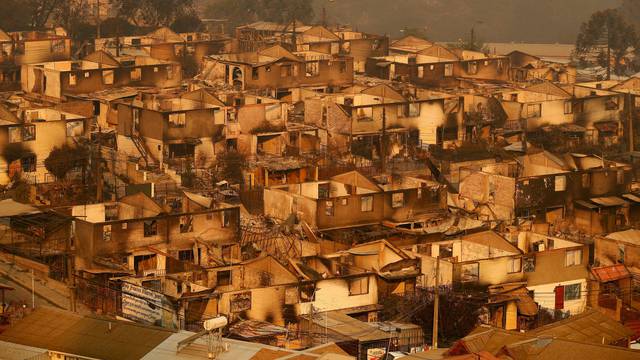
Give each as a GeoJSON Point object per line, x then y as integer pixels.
{"type": "Point", "coordinates": [610, 273]}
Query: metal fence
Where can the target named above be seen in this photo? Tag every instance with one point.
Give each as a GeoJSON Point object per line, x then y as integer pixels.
{"type": "Point", "coordinates": [100, 297]}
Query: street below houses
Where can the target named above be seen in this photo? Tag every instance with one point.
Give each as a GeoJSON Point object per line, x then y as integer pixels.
{"type": "Point", "coordinates": [20, 294]}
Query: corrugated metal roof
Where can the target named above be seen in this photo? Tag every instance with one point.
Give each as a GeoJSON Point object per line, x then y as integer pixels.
{"type": "Point", "coordinates": [609, 201]}
{"type": "Point", "coordinates": [9, 207]}
{"type": "Point", "coordinates": [348, 327]}
{"type": "Point", "coordinates": [591, 326]}
{"type": "Point", "coordinates": [253, 328]}
{"type": "Point", "coordinates": [64, 331]}
{"type": "Point", "coordinates": [492, 239]}
{"type": "Point", "coordinates": [586, 204]}
{"type": "Point", "coordinates": [631, 236]}
{"type": "Point", "coordinates": [632, 197]}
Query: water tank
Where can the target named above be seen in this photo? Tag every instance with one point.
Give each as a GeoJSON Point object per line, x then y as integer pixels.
{"type": "Point", "coordinates": [217, 322]}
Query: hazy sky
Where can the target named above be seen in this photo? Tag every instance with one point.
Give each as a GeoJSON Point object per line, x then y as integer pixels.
{"type": "Point", "coordinates": [448, 20]}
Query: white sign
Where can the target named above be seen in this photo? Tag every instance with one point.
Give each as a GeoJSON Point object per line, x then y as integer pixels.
{"type": "Point", "coordinates": [146, 306]}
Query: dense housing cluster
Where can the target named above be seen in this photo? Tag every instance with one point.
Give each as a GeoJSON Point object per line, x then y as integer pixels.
{"type": "Point", "coordinates": [329, 192]}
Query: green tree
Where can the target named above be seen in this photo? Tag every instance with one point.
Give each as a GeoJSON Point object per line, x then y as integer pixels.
{"type": "Point", "coordinates": [606, 37]}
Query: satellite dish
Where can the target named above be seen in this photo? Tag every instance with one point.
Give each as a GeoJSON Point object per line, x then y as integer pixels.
{"type": "Point", "coordinates": [215, 323]}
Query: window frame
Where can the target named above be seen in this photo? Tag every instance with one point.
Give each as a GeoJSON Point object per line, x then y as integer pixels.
{"type": "Point", "coordinates": [572, 295]}
{"type": "Point", "coordinates": [511, 268]}
{"type": "Point", "coordinates": [448, 70]}
{"type": "Point", "coordinates": [177, 120]}
{"type": "Point", "coordinates": [137, 72]}
{"type": "Point", "coordinates": [573, 257]}
{"type": "Point", "coordinates": [28, 164]}
{"type": "Point", "coordinates": [560, 183]}
{"type": "Point", "coordinates": [329, 208]}
{"type": "Point", "coordinates": [190, 258]}
{"type": "Point", "coordinates": [472, 67]}
{"type": "Point", "coordinates": [150, 228]}
{"type": "Point", "coordinates": [570, 107]}
{"type": "Point", "coordinates": [229, 277]}
{"type": "Point", "coordinates": [366, 206]}
{"type": "Point", "coordinates": [535, 113]}
{"type": "Point", "coordinates": [29, 129]}
{"type": "Point", "coordinates": [186, 224]}
{"type": "Point", "coordinates": [108, 77]}
{"type": "Point", "coordinates": [397, 203]}
{"type": "Point", "coordinates": [362, 290]}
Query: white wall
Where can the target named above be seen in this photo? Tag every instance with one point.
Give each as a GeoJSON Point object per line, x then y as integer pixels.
{"type": "Point", "coordinates": [333, 294]}
{"type": "Point", "coordinates": [545, 297]}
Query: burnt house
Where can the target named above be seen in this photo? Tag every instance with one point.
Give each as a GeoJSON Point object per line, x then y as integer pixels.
{"type": "Point", "coordinates": [342, 40]}
{"type": "Point", "coordinates": [29, 47]}
{"type": "Point", "coordinates": [97, 71]}
{"type": "Point", "coordinates": [172, 129]}
{"type": "Point", "coordinates": [165, 44]}
{"type": "Point", "coordinates": [549, 188]}
{"type": "Point", "coordinates": [610, 290]}
{"type": "Point", "coordinates": [433, 65]}
{"type": "Point", "coordinates": [357, 120]}
{"type": "Point", "coordinates": [621, 247]}
{"type": "Point", "coordinates": [140, 236]}
{"type": "Point", "coordinates": [261, 34]}
{"type": "Point", "coordinates": [511, 307]}
{"type": "Point", "coordinates": [486, 259]}
{"type": "Point", "coordinates": [352, 199]}
{"type": "Point", "coordinates": [276, 70]}
{"type": "Point", "coordinates": [589, 115]}
{"type": "Point", "coordinates": [40, 240]}
{"type": "Point", "coordinates": [32, 133]}
{"type": "Point", "coordinates": [528, 68]}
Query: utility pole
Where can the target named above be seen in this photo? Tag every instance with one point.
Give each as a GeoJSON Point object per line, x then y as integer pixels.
{"type": "Point", "coordinates": [117, 39]}
{"type": "Point", "coordinates": [324, 16]}
{"type": "Point", "coordinates": [436, 303]}
{"type": "Point", "coordinates": [608, 61]}
{"type": "Point", "coordinates": [630, 104]}
{"type": "Point", "coordinates": [293, 37]}
{"type": "Point", "coordinates": [98, 21]}
{"type": "Point", "coordinates": [383, 145]}
{"type": "Point", "coordinates": [472, 38]}
{"type": "Point", "coordinates": [608, 54]}
{"type": "Point", "coordinates": [33, 290]}
{"type": "Point", "coordinates": [98, 165]}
